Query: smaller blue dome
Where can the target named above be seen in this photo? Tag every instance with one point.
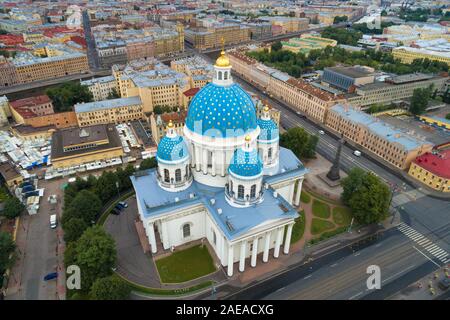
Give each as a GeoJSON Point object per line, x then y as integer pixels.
{"type": "Point", "coordinates": [246, 163]}
{"type": "Point", "coordinates": [172, 149]}
{"type": "Point", "coordinates": [269, 130]}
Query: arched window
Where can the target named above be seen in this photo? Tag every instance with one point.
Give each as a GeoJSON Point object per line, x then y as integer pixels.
{"type": "Point", "coordinates": [240, 191]}
{"type": "Point", "coordinates": [253, 191]}
{"type": "Point", "coordinates": [269, 153]}
{"type": "Point", "coordinates": [187, 171]}
{"type": "Point", "coordinates": [220, 75]}
{"type": "Point", "coordinates": [166, 175]}
{"type": "Point", "coordinates": [231, 186]}
{"type": "Point", "coordinates": [186, 230]}
{"type": "Point", "coordinates": [225, 75]}
{"type": "Point", "coordinates": [214, 238]}
{"type": "Point", "coordinates": [178, 175]}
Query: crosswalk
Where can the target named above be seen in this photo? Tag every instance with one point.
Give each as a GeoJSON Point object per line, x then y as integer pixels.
{"type": "Point", "coordinates": [424, 242]}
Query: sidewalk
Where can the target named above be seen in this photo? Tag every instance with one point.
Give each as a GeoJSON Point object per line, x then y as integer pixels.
{"type": "Point", "coordinates": [426, 288]}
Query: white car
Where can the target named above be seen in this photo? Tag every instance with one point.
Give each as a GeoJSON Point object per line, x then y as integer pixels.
{"type": "Point", "coordinates": [53, 221]}
{"type": "Point", "coordinates": [321, 132]}
{"type": "Point", "coordinates": [357, 153]}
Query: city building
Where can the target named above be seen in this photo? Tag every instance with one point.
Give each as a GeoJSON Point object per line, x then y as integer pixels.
{"type": "Point", "coordinates": [306, 43]}
{"type": "Point", "coordinates": [76, 146]}
{"type": "Point", "coordinates": [288, 24]}
{"type": "Point", "coordinates": [433, 168]}
{"type": "Point", "coordinates": [394, 89]}
{"type": "Point", "coordinates": [10, 175]}
{"type": "Point", "coordinates": [197, 69]}
{"type": "Point", "coordinates": [435, 50]}
{"type": "Point", "coordinates": [226, 181]}
{"type": "Point", "coordinates": [8, 74]}
{"type": "Point", "coordinates": [4, 110]}
{"type": "Point", "coordinates": [372, 135]}
{"type": "Point", "coordinates": [211, 37]}
{"type": "Point", "coordinates": [31, 107]}
{"type": "Point", "coordinates": [348, 78]}
{"type": "Point", "coordinates": [436, 121]}
{"type": "Point", "coordinates": [159, 123]}
{"type": "Point", "coordinates": [109, 111]}
{"type": "Point", "coordinates": [101, 87]}
{"type": "Point", "coordinates": [259, 30]}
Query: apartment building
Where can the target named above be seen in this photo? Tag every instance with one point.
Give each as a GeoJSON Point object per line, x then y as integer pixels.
{"type": "Point", "coordinates": [433, 168]}
{"type": "Point", "coordinates": [101, 88]}
{"type": "Point", "coordinates": [211, 37]}
{"type": "Point", "coordinates": [409, 54]}
{"type": "Point", "coordinates": [288, 24]}
{"type": "Point", "coordinates": [31, 107]}
{"type": "Point", "coordinates": [4, 110]}
{"type": "Point", "coordinates": [301, 95]}
{"type": "Point", "coordinates": [159, 122]}
{"type": "Point", "coordinates": [394, 146]}
{"type": "Point", "coordinates": [8, 74]}
{"type": "Point", "coordinates": [109, 111]}
{"type": "Point", "coordinates": [199, 71]}
{"type": "Point", "coordinates": [394, 89]}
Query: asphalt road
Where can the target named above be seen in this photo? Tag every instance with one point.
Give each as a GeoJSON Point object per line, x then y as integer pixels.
{"type": "Point", "coordinates": [94, 63]}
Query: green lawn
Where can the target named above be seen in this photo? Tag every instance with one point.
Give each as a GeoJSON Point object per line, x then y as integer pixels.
{"type": "Point", "coordinates": [320, 209]}
{"type": "Point", "coordinates": [342, 216]}
{"type": "Point", "coordinates": [304, 197]}
{"type": "Point", "coordinates": [318, 226]}
{"type": "Point", "coordinates": [185, 265]}
{"type": "Point", "coordinates": [4, 193]}
{"type": "Point", "coordinates": [299, 228]}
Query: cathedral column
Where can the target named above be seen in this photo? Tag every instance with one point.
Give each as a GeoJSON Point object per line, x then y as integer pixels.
{"type": "Point", "coordinates": [152, 239]}
{"type": "Point", "coordinates": [165, 235]}
{"type": "Point", "coordinates": [224, 162]}
{"type": "Point", "coordinates": [242, 256]}
{"type": "Point", "coordinates": [230, 260]}
{"type": "Point", "coordinates": [299, 191]}
{"type": "Point", "coordinates": [205, 161]}
{"type": "Point", "coordinates": [254, 252]}
{"type": "Point", "coordinates": [287, 241]}
{"type": "Point", "coordinates": [197, 158]}
{"type": "Point", "coordinates": [193, 155]}
{"type": "Point", "coordinates": [213, 163]}
{"type": "Point", "coordinates": [279, 239]}
{"type": "Point", "coordinates": [266, 247]}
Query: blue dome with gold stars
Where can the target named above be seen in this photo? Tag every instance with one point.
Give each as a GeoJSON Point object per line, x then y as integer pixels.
{"type": "Point", "coordinates": [172, 149]}
{"type": "Point", "coordinates": [246, 163]}
{"type": "Point", "coordinates": [269, 130]}
{"type": "Point", "coordinates": [221, 111]}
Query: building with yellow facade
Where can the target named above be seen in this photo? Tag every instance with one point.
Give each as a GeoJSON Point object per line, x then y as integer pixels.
{"type": "Point", "coordinates": [77, 146]}
{"type": "Point", "coordinates": [372, 135]}
{"type": "Point", "coordinates": [211, 37]}
{"type": "Point", "coordinates": [434, 51]}
{"type": "Point", "coordinates": [433, 168]}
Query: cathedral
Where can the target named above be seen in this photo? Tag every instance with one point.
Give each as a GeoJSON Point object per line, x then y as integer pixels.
{"type": "Point", "coordinates": [226, 180]}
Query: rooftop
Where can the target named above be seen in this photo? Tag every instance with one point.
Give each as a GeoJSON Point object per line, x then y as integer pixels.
{"type": "Point", "coordinates": [352, 72]}
{"type": "Point", "coordinates": [385, 131]}
{"type": "Point", "coordinates": [232, 221]}
{"type": "Point", "coordinates": [107, 104]}
{"type": "Point", "coordinates": [437, 162]}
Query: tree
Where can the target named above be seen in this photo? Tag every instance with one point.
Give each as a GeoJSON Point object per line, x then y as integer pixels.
{"type": "Point", "coordinates": [419, 100]}
{"type": "Point", "coordinates": [113, 94]}
{"type": "Point", "coordinates": [110, 288]}
{"type": "Point", "coordinates": [300, 142]}
{"type": "Point", "coordinates": [276, 46]}
{"type": "Point", "coordinates": [366, 195]}
{"type": "Point", "coordinates": [95, 253]}
{"type": "Point", "coordinates": [148, 163]}
{"type": "Point", "coordinates": [13, 208]}
{"type": "Point", "coordinates": [68, 94]}
{"type": "Point", "coordinates": [339, 19]}
{"type": "Point", "coordinates": [86, 205]}
{"type": "Point", "coordinates": [447, 116]}
{"type": "Point", "coordinates": [74, 228]}
{"type": "Point", "coordinates": [106, 187]}
{"type": "Point", "coordinates": [7, 248]}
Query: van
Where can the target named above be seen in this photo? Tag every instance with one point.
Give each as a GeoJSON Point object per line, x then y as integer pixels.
{"type": "Point", "coordinates": [53, 222]}
{"type": "Point", "coordinates": [357, 153]}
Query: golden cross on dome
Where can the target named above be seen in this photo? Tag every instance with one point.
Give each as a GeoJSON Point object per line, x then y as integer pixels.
{"type": "Point", "coordinates": [223, 44]}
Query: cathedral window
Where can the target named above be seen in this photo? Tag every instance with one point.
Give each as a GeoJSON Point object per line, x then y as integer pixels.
{"type": "Point", "coordinates": [186, 230]}
{"type": "Point", "coordinates": [178, 175]}
{"type": "Point", "coordinates": [253, 191]}
{"type": "Point", "coordinates": [220, 75]}
{"type": "Point", "coordinates": [225, 76]}
{"type": "Point", "coordinates": [166, 175]}
{"type": "Point", "coordinates": [240, 191]}
{"type": "Point", "coordinates": [269, 153]}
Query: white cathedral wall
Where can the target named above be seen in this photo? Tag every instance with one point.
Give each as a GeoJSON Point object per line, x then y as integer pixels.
{"type": "Point", "coordinates": [287, 191]}
{"type": "Point", "coordinates": [175, 228]}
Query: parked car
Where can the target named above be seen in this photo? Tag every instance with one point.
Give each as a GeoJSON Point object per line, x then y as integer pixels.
{"type": "Point", "coordinates": [357, 153]}
{"type": "Point", "coordinates": [115, 211]}
{"type": "Point", "coordinates": [123, 204]}
{"type": "Point", "coordinates": [444, 284]}
{"type": "Point", "coordinates": [53, 221]}
{"type": "Point", "coordinates": [321, 132]}
{"type": "Point", "coordinates": [118, 207]}
{"type": "Point", "coordinates": [51, 276]}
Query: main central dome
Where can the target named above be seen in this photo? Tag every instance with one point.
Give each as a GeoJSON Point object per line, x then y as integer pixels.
{"type": "Point", "coordinates": [221, 111]}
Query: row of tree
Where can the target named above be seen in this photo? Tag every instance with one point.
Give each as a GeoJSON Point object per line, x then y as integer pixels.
{"type": "Point", "coordinates": [300, 142]}
{"type": "Point", "coordinates": [88, 245]}
{"type": "Point", "coordinates": [66, 95]}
